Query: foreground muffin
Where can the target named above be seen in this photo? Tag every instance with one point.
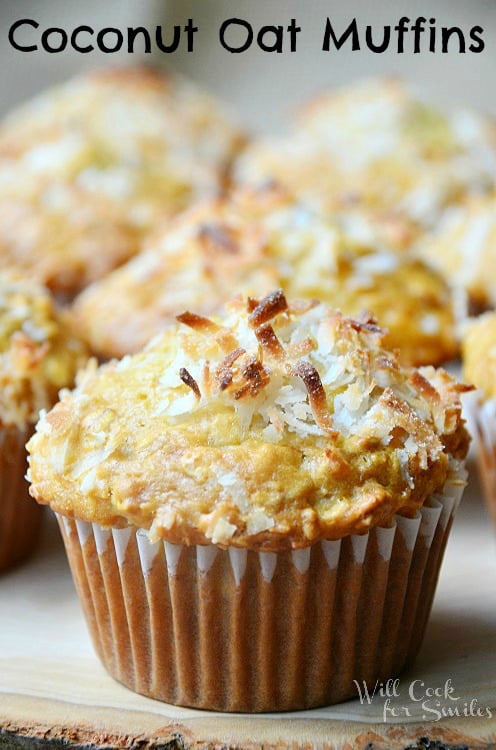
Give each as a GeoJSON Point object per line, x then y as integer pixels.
{"type": "Point", "coordinates": [376, 147]}
{"type": "Point", "coordinates": [463, 249]}
{"type": "Point", "coordinates": [38, 356]}
{"type": "Point", "coordinates": [250, 243]}
{"type": "Point", "coordinates": [87, 169]}
{"type": "Point", "coordinates": [244, 482]}
{"type": "Point", "coordinates": [479, 368]}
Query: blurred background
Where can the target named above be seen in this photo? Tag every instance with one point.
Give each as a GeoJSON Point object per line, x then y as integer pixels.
{"type": "Point", "coordinates": [263, 87]}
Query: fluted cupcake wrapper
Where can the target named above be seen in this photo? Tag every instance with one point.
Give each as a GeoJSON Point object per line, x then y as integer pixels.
{"type": "Point", "coordinates": [19, 514]}
{"type": "Point", "coordinates": [480, 414]}
{"type": "Point", "coordinates": [240, 630]}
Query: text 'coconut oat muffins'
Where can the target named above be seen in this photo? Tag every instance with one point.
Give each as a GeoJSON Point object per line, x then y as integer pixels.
{"type": "Point", "coordinates": [250, 243]}
{"type": "Point", "coordinates": [89, 168]}
{"type": "Point", "coordinates": [38, 356]}
{"type": "Point", "coordinates": [255, 507]}
{"type": "Point", "coordinates": [376, 149]}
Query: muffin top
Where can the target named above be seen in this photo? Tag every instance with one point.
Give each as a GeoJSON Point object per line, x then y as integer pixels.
{"type": "Point", "coordinates": [376, 146]}
{"type": "Point", "coordinates": [250, 243]}
{"type": "Point", "coordinates": [89, 167]}
{"type": "Point", "coordinates": [271, 428]}
{"type": "Point", "coordinates": [463, 249]}
{"type": "Point", "coordinates": [479, 353]}
{"type": "Point", "coordinates": [38, 353]}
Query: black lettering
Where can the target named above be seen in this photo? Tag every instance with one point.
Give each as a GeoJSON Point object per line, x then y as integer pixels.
{"type": "Point", "coordinates": [447, 32]}
{"type": "Point", "coordinates": [432, 35]}
{"type": "Point", "coordinates": [386, 37]}
{"type": "Point", "coordinates": [100, 40]}
{"type": "Point", "coordinates": [418, 28]}
{"type": "Point", "coordinates": [293, 31]}
{"type": "Point", "coordinates": [401, 28]}
{"type": "Point", "coordinates": [46, 36]}
{"type": "Point", "coordinates": [329, 35]}
{"type": "Point", "coordinates": [238, 22]}
{"type": "Point", "coordinates": [476, 36]}
{"type": "Point", "coordinates": [277, 45]}
{"type": "Point", "coordinates": [163, 47]}
{"type": "Point", "coordinates": [190, 30]}
{"type": "Point", "coordinates": [133, 32]}
{"type": "Point", "coordinates": [74, 39]}
{"type": "Point", "coordinates": [17, 25]}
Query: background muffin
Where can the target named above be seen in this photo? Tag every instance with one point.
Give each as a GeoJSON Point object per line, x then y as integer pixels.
{"type": "Point", "coordinates": [242, 478]}
{"type": "Point", "coordinates": [38, 356]}
{"type": "Point", "coordinates": [251, 242]}
{"type": "Point", "coordinates": [88, 168]}
{"type": "Point", "coordinates": [479, 368]}
{"type": "Point", "coordinates": [377, 146]}
{"type": "Point", "coordinates": [463, 249]}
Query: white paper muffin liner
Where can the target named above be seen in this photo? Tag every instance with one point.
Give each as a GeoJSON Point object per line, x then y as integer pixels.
{"type": "Point", "coordinates": [480, 414]}
{"type": "Point", "coordinates": [240, 630]}
{"type": "Point", "coordinates": [20, 515]}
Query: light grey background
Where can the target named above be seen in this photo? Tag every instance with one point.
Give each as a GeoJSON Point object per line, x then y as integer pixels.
{"type": "Point", "coordinates": [263, 87]}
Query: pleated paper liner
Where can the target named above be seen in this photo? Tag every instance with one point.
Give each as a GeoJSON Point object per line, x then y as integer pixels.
{"type": "Point", "coordinates": [20, 515]}
{"type": "Point", "coordinates": [238, 630]}
{"type": "Point", "coordinates": [480, 414]}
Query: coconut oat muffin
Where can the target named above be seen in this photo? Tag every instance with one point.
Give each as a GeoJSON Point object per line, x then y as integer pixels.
{"type": "Point", "coordinates": [38, 356]}
{"type": "Point", "coordinates": [87, 169]}
{"type": "Point", "coordinates": [249, 243]}
{"type": "Point", "coordinates": [463, 249]}
{"type": "Point", "coordinates": [479, 368]}
{"type": "Point", "coordinates": [277, 461]}
{"type": "Point", "coordinates": [376, 147]}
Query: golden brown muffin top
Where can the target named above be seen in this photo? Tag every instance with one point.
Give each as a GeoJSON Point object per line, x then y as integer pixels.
{"type": "Point", "coordinates": [251, 243]}
{"type": "Point", "coordinates": [377, 147]}
{"type": "Point", "coordinates": [463, 249]}
{"type": "Point", "coordinates": [89, 167]}
{"type": "Point", "coordinates": [271, 428]}
{"type": "Point", "coordinates": [38, 353]}
{"type": "Point", "coordinates": [479, 353]}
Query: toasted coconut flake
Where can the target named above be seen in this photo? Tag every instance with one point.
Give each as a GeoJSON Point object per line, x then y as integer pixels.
{"type": "Point", "coordinates": [256, 375]}
{"type": "Point", "coordinates": [251, 304]}
{"type": "Point", "coordinates": [270, 306]}
{"type": "Point", "coordinates": [231, 358]}
{"type": "Point", "coordinates": [198, 322]}
{"type": "Point", "coordinates": [189, 380]}
{"type": "Point", "coordinates": [218, 237]}
{"type": "Point", "coordinates": [316, 393]}
{"type": "Point", "coordinates": [365, 322]}
{"type": "Point", "coordinates": [422, 385]}
{"type": "Point", "coordinates": [270, 343]}
{"type": "Point", "coordinates": [206, 378]}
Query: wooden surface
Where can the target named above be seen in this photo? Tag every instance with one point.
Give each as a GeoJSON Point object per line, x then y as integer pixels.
{"type": "Point", "coordinates": [53, 689]}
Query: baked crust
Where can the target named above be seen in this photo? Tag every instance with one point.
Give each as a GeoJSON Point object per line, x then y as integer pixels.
{"type": "Point", "coordinates": [38, 353]}
{"type": "Point", "coordinates": [89, 167]}
{"type": "Point", "coordinates": [273, 428]}
{"type": "Point", "coordinates": [250, 243]}
{"type": "Point", "coordinates": [377, 149]}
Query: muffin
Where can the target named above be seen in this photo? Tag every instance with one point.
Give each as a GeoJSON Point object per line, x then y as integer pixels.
{"type": "Point", "coordinates": [245, 481]}
{"type": "Point", "coordinates": [87, 169]}
{"type": "Point", "coordinates": [376, 148]}
{"type": "Point", "coordinates": [463, 249]}
{"type": "Point", "coordinates": [38, 356]}
{"type": "Point", "coordinates": [479, 368]}
{"type": "Point", "coordinates": [250, 243]}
